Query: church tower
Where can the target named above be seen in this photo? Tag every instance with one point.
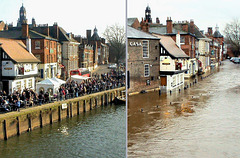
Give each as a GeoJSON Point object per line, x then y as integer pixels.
{"type": "Point", "coordinates": [22, 16]}
{"type": "Point", "coordinates": [148, 15]}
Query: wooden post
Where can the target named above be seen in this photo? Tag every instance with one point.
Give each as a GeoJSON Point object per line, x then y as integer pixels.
{"type": "Point", "coordinates": [59, 113]}
{"type": "Point", "coordinates": [18, 127]}
{"type": "Point", "coordinates": [78, 111]}
{"type": "Point", "coordinates": [71, 109]}
{"type": "Point", "coordinates": [90, 103]}
{"type": "Point", "coordinates": [67, 111]}
{"type": "Point", "coordinates": [29, 123]}
{"type": "Point", "coordinates": [84, 105]}
{"type": "Point", "coordinates": [5, 130]}
{"type": "Point", "coordinates": [50, 115]}
{"type": "Point", "coordinates": [96, 102]}
{"type": "Point", "coordinates": [40, 118]}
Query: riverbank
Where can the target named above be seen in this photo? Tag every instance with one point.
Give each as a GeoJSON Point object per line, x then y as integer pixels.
{"type": "Point", "coordinates": [15, 123]}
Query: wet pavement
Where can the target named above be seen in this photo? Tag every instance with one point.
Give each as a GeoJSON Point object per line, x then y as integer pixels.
{"type": "Point", "coordinates": [200, 121]}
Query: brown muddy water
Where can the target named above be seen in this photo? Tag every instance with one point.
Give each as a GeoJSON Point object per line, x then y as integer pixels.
{"type": "Point", "coordinates": [202, 121]}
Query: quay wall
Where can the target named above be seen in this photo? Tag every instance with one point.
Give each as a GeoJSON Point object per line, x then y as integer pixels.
{"type": "Point", "coordinates": [16, 123]}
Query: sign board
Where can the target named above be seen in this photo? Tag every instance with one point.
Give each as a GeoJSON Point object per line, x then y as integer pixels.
{"type": "Point", "coordinates": [136, 44]}
{"type": "Point", "coordinates": [7, 68]}
{"type": "Point", "coordinates": [64, 106]}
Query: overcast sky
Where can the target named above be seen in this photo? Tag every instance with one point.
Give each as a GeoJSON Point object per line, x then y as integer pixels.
{"type": "Point", "coordinates": [205, 13]}
{"type": "Point", "coordinates": [74, 16]}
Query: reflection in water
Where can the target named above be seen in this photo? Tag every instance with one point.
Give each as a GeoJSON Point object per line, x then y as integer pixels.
{"type": "Point", "coordinates": [98, 133]}
{"type": "Point", "coordinates": [201, 121]}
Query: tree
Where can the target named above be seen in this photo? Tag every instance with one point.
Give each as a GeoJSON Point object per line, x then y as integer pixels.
{"type": "Point", "coordinates": [115, 36]}
{"type": "Point", "coordinates": [232, 36]}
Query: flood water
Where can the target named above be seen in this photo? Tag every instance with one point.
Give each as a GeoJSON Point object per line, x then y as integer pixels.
{"type": "Point", "coordinates": [98, 133]}
{"type": "Point", "coordinates": [202, 121]}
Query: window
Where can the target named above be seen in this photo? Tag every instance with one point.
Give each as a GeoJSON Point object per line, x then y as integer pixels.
{"type": "Point", "coordinates": [182, 39]}
{"type": "Point", "coordinates": [37, 45]}
{"type": "Point", "coordinates": [145, 49]}
{"type": "Point", "coordinates": [30, 83]}
{"type": "Point", "coordinates": [47, 44]}
{"type": "Point", "coordinates": [146, 70]}
{"type": "Point", "coordinates": [18, 85]}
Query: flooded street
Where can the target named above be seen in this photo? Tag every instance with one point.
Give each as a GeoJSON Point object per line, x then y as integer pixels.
{"type": "Point", "coordinates": [201, 121]}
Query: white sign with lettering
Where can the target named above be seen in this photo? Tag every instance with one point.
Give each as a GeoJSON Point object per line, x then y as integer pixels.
{"type": "Point", "coordinates": [135, 44]}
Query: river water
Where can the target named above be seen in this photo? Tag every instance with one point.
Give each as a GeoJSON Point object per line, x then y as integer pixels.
{"type": "Point", "coordinates": [201, 121]}
{"type": "Point", "coordinates": [98, 133]}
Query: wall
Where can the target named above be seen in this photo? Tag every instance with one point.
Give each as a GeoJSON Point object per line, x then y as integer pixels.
{"type": "Point", "coordinates": [136, 64]}
{"type": "Point", "coordinates": [16, 123]}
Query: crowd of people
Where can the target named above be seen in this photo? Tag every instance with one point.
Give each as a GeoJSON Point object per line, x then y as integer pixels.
{"type": "Point", "coordinates": [71, 89]}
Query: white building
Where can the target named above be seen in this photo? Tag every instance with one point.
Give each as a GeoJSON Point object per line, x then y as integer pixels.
{"type": "Point", "coordinates": [173, 63]}
{"type": "Point", "coordinates": [19, 67]}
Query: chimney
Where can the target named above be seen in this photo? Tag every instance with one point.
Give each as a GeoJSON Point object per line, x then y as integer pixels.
{"type": "Point", "coordinates": [192, 26]}
{"type": "Point", "coordinates": [89, 34]}
{"type": "Point", "coordinates": [25, 30]}
{"type": "Point", "coordinates": [33, 22]}
{"type": "Point", "coordinates": [144, 26]}
{"type": "Point", "coordinates": [6, 27]}
{"type": "Point", "coordinates": [185, 27]}
{"type": "Point", "coordinates": [157, 20]}
{"type": "Point", "coordinates": [28, 44]}
{"type": "Point", "coordinates": [46, 30]}
{"type": "Point", "coordinates": [210, 30]}
{"type": "Point", "coordinates": [169, 25]}
{"type": "Point", "coordinates": [55, 31]}
{"type": "Point", "coordinates": [178, 39]}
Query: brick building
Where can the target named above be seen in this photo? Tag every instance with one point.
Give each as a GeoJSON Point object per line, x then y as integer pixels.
{"type": "Point", "coordinates": [143, 61]}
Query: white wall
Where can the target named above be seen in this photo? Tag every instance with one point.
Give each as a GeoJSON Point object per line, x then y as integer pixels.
{"type": "Point", "coordinates": [174, 81]}
{"type": "Point", "coordinates": [8, 68]}
{"type": "Point", "coordinates": [26, 82]}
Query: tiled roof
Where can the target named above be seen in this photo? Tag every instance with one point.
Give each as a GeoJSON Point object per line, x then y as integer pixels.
{"type": "Point", "coordinates": [130, 21]}
{"type": "Point", "coordinates": [133, 33]}
{"type": "Point", "coordinates": [17, 51]}
{"type": "Point", "coordinates": [63, 36]}
{"type": "Point", "coordinates": [169, 44]}
{"type": "Point", "coordinates": [162, 29]}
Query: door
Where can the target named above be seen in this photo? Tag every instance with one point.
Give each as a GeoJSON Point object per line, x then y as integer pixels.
{"type": "Point", "coordinates": [6, 86]}
{"type": "Point", "coordinates": [163, 80]}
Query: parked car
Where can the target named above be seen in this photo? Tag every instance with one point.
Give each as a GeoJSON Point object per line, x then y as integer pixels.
{"type": "Point", "coordinates": [112, 66]}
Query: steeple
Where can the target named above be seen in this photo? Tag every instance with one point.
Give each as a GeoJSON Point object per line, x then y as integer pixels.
{"type": "Point", "coordinates": [22, 16]}
{"type": "Point", "coordinates": [148, 14]}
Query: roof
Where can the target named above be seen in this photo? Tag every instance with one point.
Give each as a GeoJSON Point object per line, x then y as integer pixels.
{"type": "Point", "coordinates": [16, 33]}
{"type": "Point", "coordinates": [64, 37]}
{"type": "Point", "coordinates": [17, 51]}
{"type": "Point", "coordinates": [130, 21]}
{"type": "Point", "coordinates": [217, 34]}
{"type": "Point", "coordinates": [48, 81]}
{"type": "Point", "coordinates": [95, 36]}
{"type": "Point", "coordinates": [58, 80]}
{"type": "Point", "coordinates": [162, 29]}
{"type": "Point", "coordinates": [169, 44]}
{"type": "Point", "coordinates": [134, 33]}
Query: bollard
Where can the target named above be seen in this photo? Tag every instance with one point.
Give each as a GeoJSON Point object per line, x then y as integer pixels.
{"type": "Point", "coordinates": [5, 130]}
{"type": "Point", "coordinates": [179, 90]}
{"type": "Point", "coordinates": [59, 113]}
{"type": "Point", "coordinates": [159, 92]}
{"type": "Point", "coordinates": [170, 92]}
{"type": "Point", "coordinates": [40, 119]}
{"type": "Point", "coordinates": [50, 116]}
{"type": "Point", "coordinates": [18, 127]}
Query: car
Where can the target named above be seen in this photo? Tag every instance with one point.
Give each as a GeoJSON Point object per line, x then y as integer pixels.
{"type": "Point", "coordinates": [112, 66]}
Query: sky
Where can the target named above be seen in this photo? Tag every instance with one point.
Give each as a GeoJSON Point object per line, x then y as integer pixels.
{"type": "Point", "coordinates": [205, 13]}
{"type": "Point", "coordinates": [74, 16]}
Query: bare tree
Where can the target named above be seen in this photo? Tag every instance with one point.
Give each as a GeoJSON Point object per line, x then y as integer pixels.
{"type": "Point", "coordinates": [232, 36]}
{"type": "Point", "coordinates": [115, 36]}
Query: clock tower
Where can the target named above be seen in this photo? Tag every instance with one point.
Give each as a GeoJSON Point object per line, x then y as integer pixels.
{"type": "Point", "coordinates": [148, 14]}
{"type": "Point", "coordinates": [22, 16]}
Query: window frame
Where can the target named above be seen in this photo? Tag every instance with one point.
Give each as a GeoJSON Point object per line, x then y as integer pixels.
{"type": "Point", "coordinates": [146, 75]}
{"type": "Point", "coordinates": [143, 46]}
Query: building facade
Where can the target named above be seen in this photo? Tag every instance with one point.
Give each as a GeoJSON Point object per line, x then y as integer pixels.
{"type": "Point", "coordinates": [143, 61]}
{"type": "Point", "coordinates": [18, 66]}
